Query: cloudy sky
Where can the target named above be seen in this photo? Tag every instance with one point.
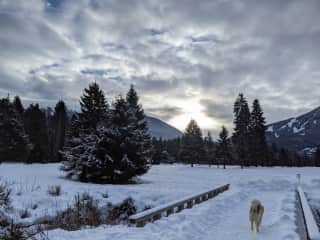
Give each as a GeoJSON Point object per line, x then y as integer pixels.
{"type": "Point", "coordinates": [188, 59]}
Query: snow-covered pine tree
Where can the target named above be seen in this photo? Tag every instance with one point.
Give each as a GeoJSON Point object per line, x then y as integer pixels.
{"type": "Point", "coordinates": [114, 154]}
{"type": "Point", "coordinates": [141, 147]}
{"type": "Point", "coordinates": [36, 128]}
{"type": "Point", "coordinates": [14, 143]}
{"type": "Point", "coordinates": [241, 135]}
{"type": "Point", "coordinates": [83, 133]}
{"type": "Point", "coordinates": [120, 151]}
{"type": "Point", "coordinates": [94, 107]}
{"type": "Point", "coordinates": [258, 146]}
{"type": "Point", "coordinates": [224, 147]}
{"type": "Point", "coordinates": [192, 147]}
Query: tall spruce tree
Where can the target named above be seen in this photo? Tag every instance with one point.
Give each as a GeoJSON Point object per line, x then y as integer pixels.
{"type": "Point", "coordinates": [14, 143]}
{"type": "Point", "coordinates": [94, 107]}
{"type": "Point", "coordinates": [192, 146]}
{"type": "Point", "coordinates": [258, 146]}
{"type": "Point", "coordinates": [139, 127]}
{"type": "Point", "coordinates": [210, 150]}
{"type": "Point", "coordinates": [224, 147]}
{"type": "Point", "coordinates": [59, 130]}
{"type": "Point", "coordinates": [36, 128]}
{"type": "Point", "coordinates": [241, 135]}
{"type": "Point", "coordinates": [18, 105]}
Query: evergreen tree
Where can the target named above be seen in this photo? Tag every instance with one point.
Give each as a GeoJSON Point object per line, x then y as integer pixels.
{"type": "Point", "coordinates": [36, 128]}
{"type": "Point", "coordinates": [14, 143]}
{"type": "Point", "coordinates": [110, 155]}
{"type": "Point", "coordinates": [139, 128]}
{"type": "Point", "coordinates": [192, 147]}
{"type": "Point", "coordinates": [210, 150]}
{"type": "Point", "coordinates": [224, 147]}
{"type": "Point", "coordinates": [258, 143]}
{"type": "Point", "coordinates": [317, 157]}
{"type": "Point", "coordinates": [18, 105]}
{"type": "Point", "coordinates": [59, 130]}
{"type": "Point", "coordinates": [158, 147]}
{"type": "Point", "coordinates": [284, 158]}
{"type": "Point", "coordinates": [94, 107]}
{"type": "Point", "coordinates": [241, 135]}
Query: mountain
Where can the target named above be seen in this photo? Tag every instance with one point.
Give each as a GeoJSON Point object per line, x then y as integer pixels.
{"type": "Point", "coordinates": [158, 128]}
{"type": "Point", "coordinates": [301, 134]}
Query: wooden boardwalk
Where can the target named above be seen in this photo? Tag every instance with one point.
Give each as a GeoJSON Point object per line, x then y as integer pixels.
{"type": "Point", "coordinates": [151, 215]}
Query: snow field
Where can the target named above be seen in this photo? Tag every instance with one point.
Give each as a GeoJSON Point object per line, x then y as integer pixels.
{"type": "Point", "coordinates": [224, 217]}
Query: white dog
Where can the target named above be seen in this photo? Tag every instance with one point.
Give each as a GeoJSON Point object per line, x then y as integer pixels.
{"type": "Point", "coordinates": [255, 215]}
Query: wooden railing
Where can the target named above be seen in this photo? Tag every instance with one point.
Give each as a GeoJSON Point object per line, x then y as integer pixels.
{"type": "Point", "coordinates": [311, 225]}
{"type": "Point", "coordinates": [153, 214]}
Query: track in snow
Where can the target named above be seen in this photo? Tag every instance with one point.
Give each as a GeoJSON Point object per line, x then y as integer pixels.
{"type": "Point", "coordinates": [224, 217]}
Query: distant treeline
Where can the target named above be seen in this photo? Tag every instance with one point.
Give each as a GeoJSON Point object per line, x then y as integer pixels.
{"type": "Point", "coordinates": [54, 135]}
{"type": "Point", "coordinates": [247, 146]}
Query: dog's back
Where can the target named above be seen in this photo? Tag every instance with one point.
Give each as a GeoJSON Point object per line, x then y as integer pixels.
{"type": "Point", "coordinates": [256, 213]}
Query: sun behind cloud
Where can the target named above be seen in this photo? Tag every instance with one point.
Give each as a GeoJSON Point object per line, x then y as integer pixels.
{"type": "Point", "coordinates": [192, 109]}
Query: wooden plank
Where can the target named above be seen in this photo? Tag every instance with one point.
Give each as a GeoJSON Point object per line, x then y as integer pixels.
{"type": "Point", "coordinates": [311, 225]}
{"type": "Point", "coordinates": [140, 219]}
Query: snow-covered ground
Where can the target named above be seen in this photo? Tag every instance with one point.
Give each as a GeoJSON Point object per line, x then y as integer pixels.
{"type": "Point", "coordinates": [223, 217]}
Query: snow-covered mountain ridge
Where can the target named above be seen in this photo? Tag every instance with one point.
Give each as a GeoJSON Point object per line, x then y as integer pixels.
{"type": "Point", "coordinates": [158, 128]}
{"type": "Point", "coordinates": [300, 133]}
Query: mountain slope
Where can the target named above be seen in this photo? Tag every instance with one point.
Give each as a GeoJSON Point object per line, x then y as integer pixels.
{"type": "Point", "coordinates": [158, 128]}
{"type": "Point", "coordinates": [297, 134]}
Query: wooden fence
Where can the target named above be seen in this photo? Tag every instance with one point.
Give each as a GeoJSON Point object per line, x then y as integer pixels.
{"type": "Point", "coordinates": [151, 215]}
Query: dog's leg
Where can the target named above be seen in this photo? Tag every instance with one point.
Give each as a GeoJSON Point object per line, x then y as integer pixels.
{"type": "Point", "coordinates": [254, 232]}
{"type": "Point", "coordinates": [251, 225]}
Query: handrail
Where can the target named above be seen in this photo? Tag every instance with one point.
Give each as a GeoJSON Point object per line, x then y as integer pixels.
{"type": "Point", "coordinates": [311, 225]}
{"type": "Point", "coordinates": [153, 214]}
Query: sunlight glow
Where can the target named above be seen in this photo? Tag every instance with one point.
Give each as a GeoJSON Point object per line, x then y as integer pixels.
{"type": "Point", "coordinates": [192, 109]}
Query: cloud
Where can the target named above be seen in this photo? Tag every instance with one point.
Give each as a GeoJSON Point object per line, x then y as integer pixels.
{"type": "Point", "coordinates": [166, 112]}
{"type": "Point", "coordinates": [171, 50]}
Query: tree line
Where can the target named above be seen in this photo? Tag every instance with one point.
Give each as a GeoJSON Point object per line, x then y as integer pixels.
{"type": "Point", "coordinates": [101, 143]}
{"type": "Point", "coordinates": [247, 145]}
{"type": "Point", "coordinates": [110, 142]}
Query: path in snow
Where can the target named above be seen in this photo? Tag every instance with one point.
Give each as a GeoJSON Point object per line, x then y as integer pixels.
{"type": "Point", "coordinates": [224, 217]}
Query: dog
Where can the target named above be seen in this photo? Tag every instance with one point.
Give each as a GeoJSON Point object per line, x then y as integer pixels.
{"type": "Point", "coordinates": [255, 215]}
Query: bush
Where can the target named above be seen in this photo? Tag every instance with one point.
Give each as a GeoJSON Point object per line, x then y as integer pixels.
{"type": "Point", "coordinates": [83, 212]}
{"type": "Point", "coordinates": [5, 192]}
{"type": "Point", "coordinates": [54, 190]}
{"type": "Point", "coordinates": [120, 214]}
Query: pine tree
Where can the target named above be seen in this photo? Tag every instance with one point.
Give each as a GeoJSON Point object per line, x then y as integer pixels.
{"type": "Point", "coordinates": [59, 130]}
{"type": "Point", "coordinates": [158, 147]}
{"type": "Point", "coordinates": [284, 158]}
{"type": "Point", "coordinates": [317, 157]}
{"type": "Point", "coordinates": [18, 105]}
{"type": "Point", "coordinates": [36, 128]}
{"type": "Point", "coordinates": [241, 135]}
{"type": "Point", "coordinates": [94, 107]}
{"type": "Point", "coordinates": [110, 155]}
{"type": "Point", "coordinates": [14, 143]}
{"type": "Point", "coordinates": [210, 150]}
{"type": "Point", "coordinates": [139, 127]}
{"type": "Point", "coordinates": [192, 147]}
{"type": "Point", "coordinates": [224, 148]}
{"type": "Point", "coordinates": [258, 143]}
